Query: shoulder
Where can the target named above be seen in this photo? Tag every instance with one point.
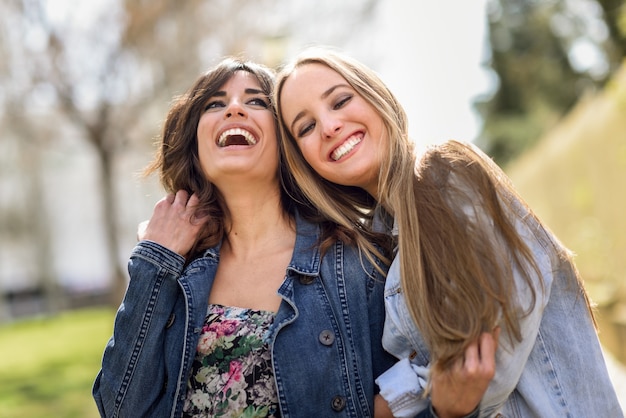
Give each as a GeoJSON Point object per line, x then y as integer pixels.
{"type": "Point", "coordinates": [464, 166]}
{"type": "Point", "coordinates": [453, 154]}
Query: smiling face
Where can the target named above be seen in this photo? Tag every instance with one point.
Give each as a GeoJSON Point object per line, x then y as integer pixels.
{"type": "Point", "coordinates": [338, 132]}
{"type": "Point", "coordinates": [237, 132]}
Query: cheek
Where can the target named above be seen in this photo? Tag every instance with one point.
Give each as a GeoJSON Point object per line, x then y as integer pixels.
{"type": "Point", "coordinates": [201, 130]}
{"type": "Point", "coordinates": [309, 153]}
{"type": "Point", "coordinates": [207, 122]}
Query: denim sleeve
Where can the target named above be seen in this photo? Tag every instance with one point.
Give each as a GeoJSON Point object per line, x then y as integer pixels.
{"type": "Point", "coordinates": [512, 355]}
{"type": "Point", "coordinates": [402, 386]}
{"type": "Point", "coordinates": [409, 403]}
{"type": "Point", "coordinates": [401, 390]}
{"type": "Point", "coordinates": [132, 376]}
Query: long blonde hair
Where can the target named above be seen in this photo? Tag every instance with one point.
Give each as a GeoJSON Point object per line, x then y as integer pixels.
{"type": "Point", "coordinates": [350, 207]}
{"type": "Point", "coordinates": [456, 274]}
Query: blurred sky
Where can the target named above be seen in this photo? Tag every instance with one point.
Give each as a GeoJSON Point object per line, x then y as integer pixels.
{"type": "Point", "coordinates": [431, 55]}
{"type": "Point", "coordinates": [432, 59]}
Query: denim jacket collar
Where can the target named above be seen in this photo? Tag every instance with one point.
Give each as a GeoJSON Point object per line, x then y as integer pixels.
{"type": "Point", "coordinates": [306, 255]}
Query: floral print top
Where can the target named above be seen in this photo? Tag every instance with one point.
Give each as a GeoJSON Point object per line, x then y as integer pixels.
{"type": "Point", "coordinates": [232, 373]}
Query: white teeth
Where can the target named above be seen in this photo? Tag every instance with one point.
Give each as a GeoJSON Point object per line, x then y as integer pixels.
{"type": "Point", "coordinates": [250, 139]}
{"type": "Point", "coordinates": [346, 147]}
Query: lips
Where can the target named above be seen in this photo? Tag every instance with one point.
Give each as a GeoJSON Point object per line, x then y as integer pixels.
{"type": "Point", "coordinates": [346, 147]}
{"type": "Point", "coordinates": [236, 136]}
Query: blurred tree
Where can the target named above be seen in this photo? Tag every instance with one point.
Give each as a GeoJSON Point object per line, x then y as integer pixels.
{"type": "Point", "coordinates": [21, 218]}
{"type": "Point", "coordinates": [615, 16]}
{"type": "Point", "coordinates": [103, 69]}
{"type": "Point", "coordinates": [545, 55]}
{"type": "Point", "coordinates": [109, 69]}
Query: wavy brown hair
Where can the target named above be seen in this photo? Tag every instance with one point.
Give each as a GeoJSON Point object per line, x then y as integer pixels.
{"type": "Point", "coordinates": [177, 161]}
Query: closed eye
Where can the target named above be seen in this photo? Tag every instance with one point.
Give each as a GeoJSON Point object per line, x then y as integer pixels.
{"type": "Point", "coordinates": [305, 129]}
{"type": "Point", "coordinates": [342, 101]}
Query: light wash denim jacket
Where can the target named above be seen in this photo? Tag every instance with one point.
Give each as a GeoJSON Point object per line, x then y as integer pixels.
{"type": "Point", "coordinates": [557, 370]}
{"type": "Point", "coordinates": [325, 344]}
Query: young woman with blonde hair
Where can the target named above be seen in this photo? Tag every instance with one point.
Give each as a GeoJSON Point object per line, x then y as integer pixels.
{"type": "Point", "coordinates": [471, 255]}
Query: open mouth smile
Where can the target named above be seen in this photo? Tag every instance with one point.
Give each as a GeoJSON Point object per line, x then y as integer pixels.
{"type": "Point", "coordinates": [236, 136]}
{"type": "Point", "coordinates": [346, 147]}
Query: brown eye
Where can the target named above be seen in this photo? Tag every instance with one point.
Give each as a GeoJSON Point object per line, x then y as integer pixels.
{"type": "Point", "coordinates": [214, 104]}
{"type": "Point", "coordinates": [257, 101]}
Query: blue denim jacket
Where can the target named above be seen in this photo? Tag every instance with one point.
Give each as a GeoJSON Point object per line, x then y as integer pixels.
{"type": "Point", "coordinates": [557, 370]}
{"type": "Point", "coordinates": [325, 344]}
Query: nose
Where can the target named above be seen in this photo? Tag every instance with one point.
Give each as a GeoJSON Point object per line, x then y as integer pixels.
{"type": "Point", "coordinates": [234, 108]}
{"type": "Point", "coordinates": [331, 126]}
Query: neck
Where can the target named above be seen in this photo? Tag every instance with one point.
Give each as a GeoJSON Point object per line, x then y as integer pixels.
{"type": "Point", "coordinates": [257, 221]}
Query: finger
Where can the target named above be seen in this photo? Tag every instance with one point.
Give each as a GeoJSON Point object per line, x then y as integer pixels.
{"type": "Point", "coordinates": [163, 205]}
{"type": "Point", "coordinates": [471, 357]}
{"type": "Point", "coordinates": [488, 343]}
{"type": "Point", "coordinates": [488, 347]}
{"type": "Point", "coordinates": [200, 215]}
{"type": "Point", "coordinates": [141, 230]}
{"type": "Point", "coordinates": [193, 201]}
{"type": "Point", "coordinates": [181, 198]}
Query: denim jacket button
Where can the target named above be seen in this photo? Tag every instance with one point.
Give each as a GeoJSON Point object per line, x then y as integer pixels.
{"type": "Point", "coordinates": [338, 403]}
{"type": "Point", "coordinates": [170, 321]}
{"type": "Point", "coordinates": [306, 279]}
{"type": "Point", "coordinates": [327, 337]}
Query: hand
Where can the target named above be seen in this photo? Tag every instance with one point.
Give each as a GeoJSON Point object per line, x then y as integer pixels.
{"type": "Point", "coordinates": [381, 408]}
{"type": "Point", "coordinates": [175, 224]}
{"type": "Point", "coordinates": [457, 392]}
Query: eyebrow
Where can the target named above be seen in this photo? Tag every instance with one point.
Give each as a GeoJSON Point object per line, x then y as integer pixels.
{"type": "Point", "coordinates": [323, 96]}
{"type": "Point", "coordinates": [222, 93]}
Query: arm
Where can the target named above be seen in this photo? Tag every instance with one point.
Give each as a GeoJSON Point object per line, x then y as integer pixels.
{"type": "Point", "coordinates": [133, 371]}
{"type": "Point", "coordinates": [133, 374]}
{"type": "Point", "coordinates": [470, 200]}
{"type": "Point", "coordinates": [456, 392]}
{"type": "Point", "coordinates": [512, 355]}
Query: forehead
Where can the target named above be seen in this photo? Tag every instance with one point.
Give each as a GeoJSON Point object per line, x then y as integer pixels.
{"type": "Point", "coordinates": [241, 79]}
{"type": "Point", "coordinates": [313, 76]}
{"type": "Point", "coordinates": [306, 85]}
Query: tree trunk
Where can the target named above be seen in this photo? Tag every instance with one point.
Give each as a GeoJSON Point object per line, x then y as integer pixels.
{"type": "Point", "coordinates": [118, 278]}
{"type": "Point", "coordinates": [54, 296]}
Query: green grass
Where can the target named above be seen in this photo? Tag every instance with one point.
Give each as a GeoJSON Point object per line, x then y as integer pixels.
{"type": "Point", "coordinates": [47, 365]}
